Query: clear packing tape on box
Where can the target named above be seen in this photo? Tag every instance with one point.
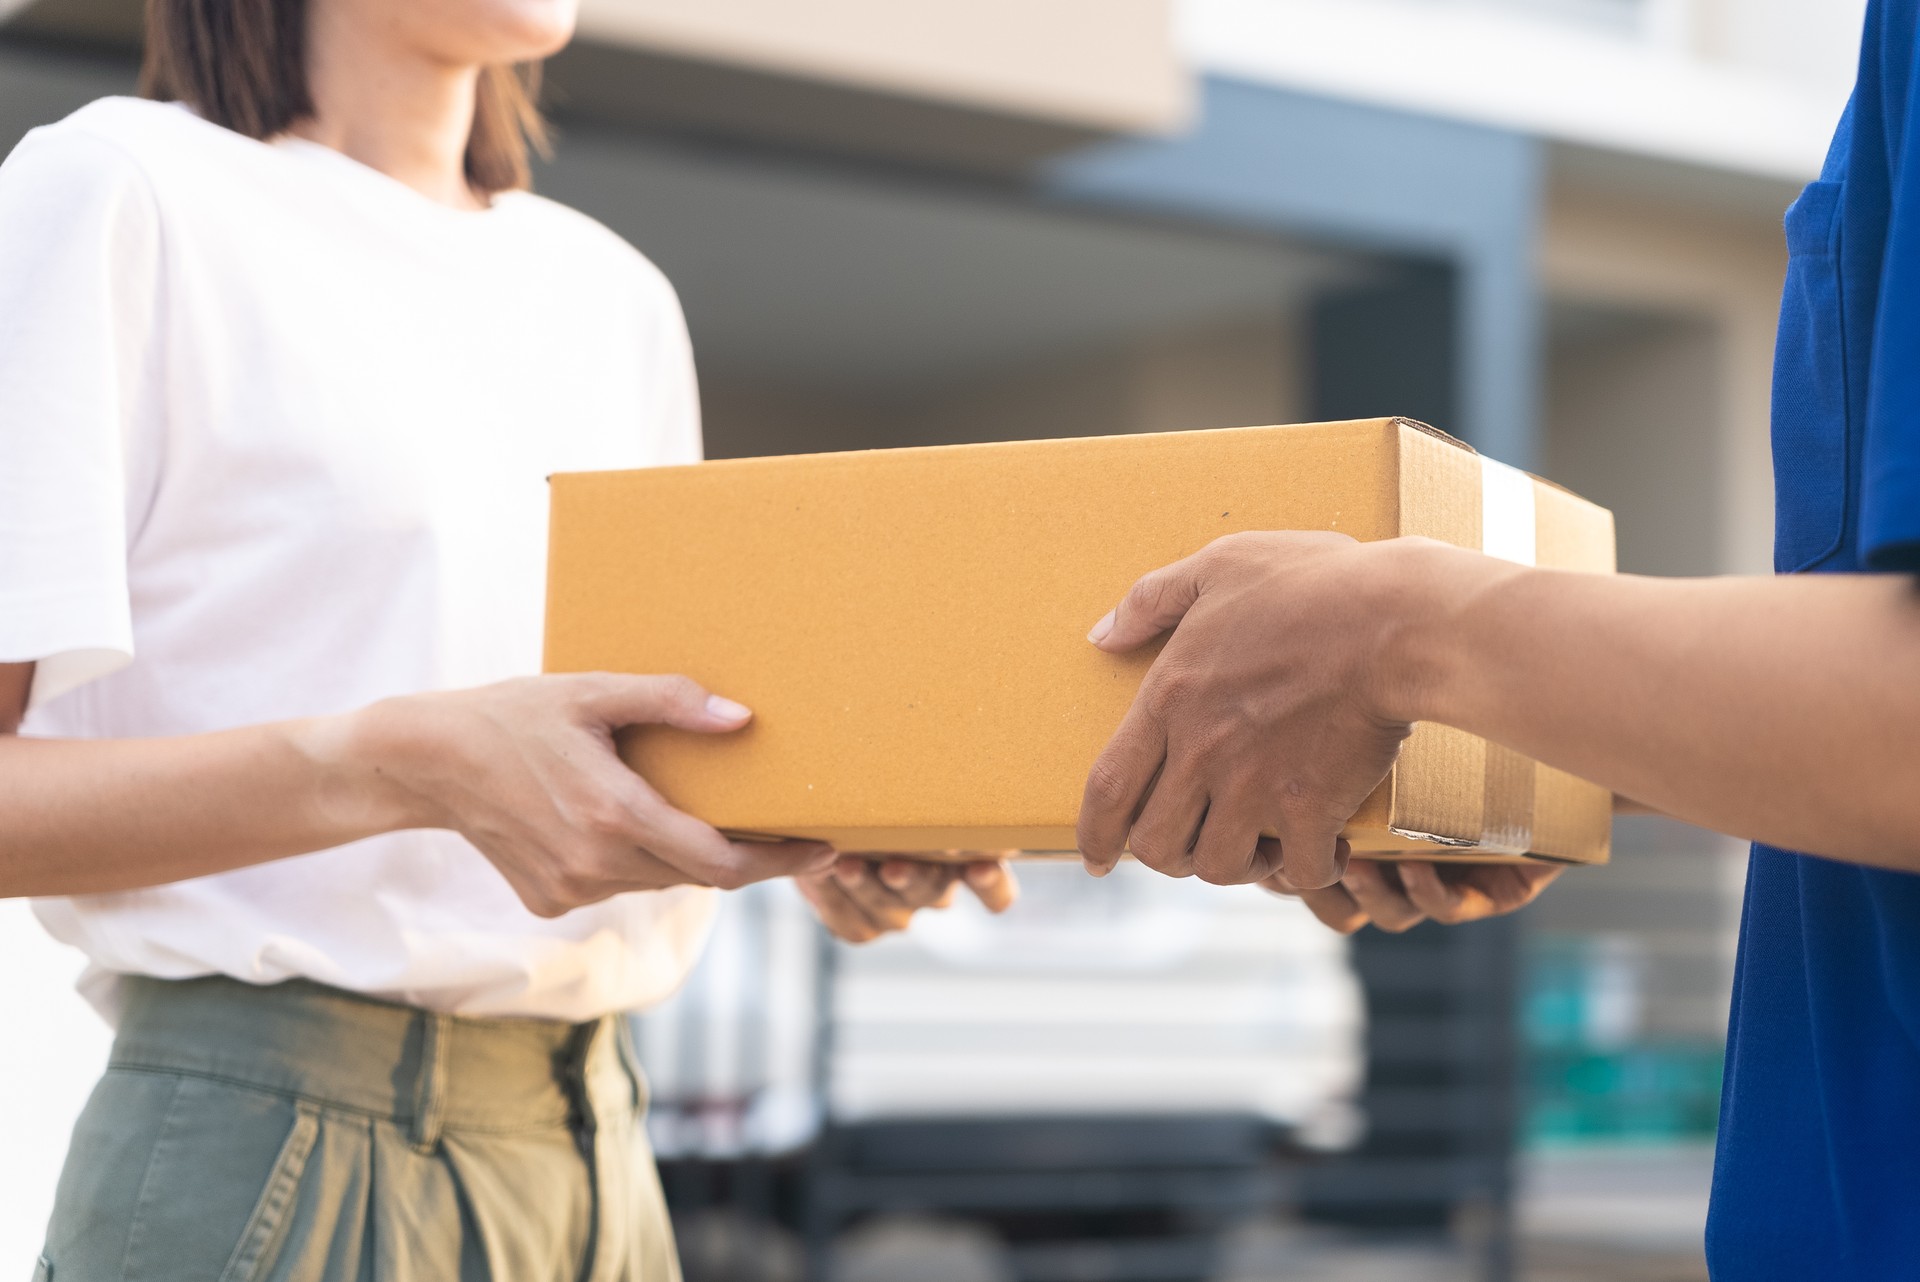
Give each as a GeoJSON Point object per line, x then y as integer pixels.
{"type": "Point", "coordinates": [1507, 531]}
{"type": "Point", "coordinates": [909, 625]}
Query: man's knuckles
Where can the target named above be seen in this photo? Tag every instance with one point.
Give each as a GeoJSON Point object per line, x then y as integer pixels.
{"type": "Point", "coordinates": [1157, 848]}
{"type": "Point", "coordinates": [1223, 865]}
{"type": "Point", "coordinates": [1305, 805]}
{"type": "Point", "coordinates": [1310, 863]}
{"type": "Point", "coordinates": [1173, 691]}
{"type": "Point", "coordinates": [1110, 788]}
{"type": "Point", "coordinates": [1149, 599]}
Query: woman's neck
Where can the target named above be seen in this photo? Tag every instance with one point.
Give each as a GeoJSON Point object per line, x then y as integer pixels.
{"type": "Point", "coordinates": [391, 108]}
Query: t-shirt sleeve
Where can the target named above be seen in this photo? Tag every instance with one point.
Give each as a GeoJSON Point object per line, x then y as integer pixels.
{"type": "Point", "coordinates": [675, 386]}
{"type": "Point", "coordinates": [79, 289]}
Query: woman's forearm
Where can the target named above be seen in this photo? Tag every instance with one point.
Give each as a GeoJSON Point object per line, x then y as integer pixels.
{"type": "Point", "coordinates": [81, 816]}
{"type": "Point", "coordinates": [524, 769]}
{"type": "Point", "coordinates": [1786, 710]}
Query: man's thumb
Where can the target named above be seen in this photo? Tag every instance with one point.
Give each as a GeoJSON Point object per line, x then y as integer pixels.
{"type": "Point", "coordinates": [1155, 603]}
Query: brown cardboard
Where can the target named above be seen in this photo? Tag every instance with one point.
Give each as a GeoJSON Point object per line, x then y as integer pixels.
{"type": "Point", "coordinates": [909, 625]}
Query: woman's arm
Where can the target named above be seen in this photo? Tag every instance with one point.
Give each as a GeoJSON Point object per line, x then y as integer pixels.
{"type": "Point", "coordinates": [1786, 710]}
{"type": "Point", "coordinates": [525, 769]}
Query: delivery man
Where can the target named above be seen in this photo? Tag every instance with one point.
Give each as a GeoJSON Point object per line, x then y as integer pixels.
{"type": "Point", "coordinates": [1786, 710]}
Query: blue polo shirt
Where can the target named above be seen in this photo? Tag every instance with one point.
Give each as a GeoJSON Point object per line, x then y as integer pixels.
{"type": "Point", "coordinates": [1818, 1174]}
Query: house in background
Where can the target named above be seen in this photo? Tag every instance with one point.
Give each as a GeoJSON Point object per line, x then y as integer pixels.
{"type": "Point", "coordinates": [1547, 226]}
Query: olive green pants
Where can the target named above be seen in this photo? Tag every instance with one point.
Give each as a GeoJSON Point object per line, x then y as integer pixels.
{"type": "Point", "coordinates": [300, 1132]}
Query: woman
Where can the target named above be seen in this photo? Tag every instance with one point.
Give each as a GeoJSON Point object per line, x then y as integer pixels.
{"type": "Point", "coordinates": [1784, 709]}
{"type": "Point", "coordinates": [283, 365]}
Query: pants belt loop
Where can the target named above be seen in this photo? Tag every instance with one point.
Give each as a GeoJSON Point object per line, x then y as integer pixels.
{"type": "Point", "coordinates": [430, 1085]}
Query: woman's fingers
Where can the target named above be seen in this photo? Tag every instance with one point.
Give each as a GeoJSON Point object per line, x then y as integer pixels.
{"type": "Point", "coordinates": [992, 883]}
{"type": "Point", "coordinates": [706, 856]}
{"type": "Point", "coordinates": [921, 883]}
{"type": "Point", "coordinates": [837, 911]}
{"type": "Point", "coordinates": [617, 699]}
{"type": "Point", "coordinates": [918, 883]}
{"type": "Point", "coordinates": [862, 898]}
{"type": "Point", "coordinates": [859, 879]}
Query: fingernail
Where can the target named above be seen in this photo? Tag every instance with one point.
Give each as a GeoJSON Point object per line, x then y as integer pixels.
{"type": "Point", "coordinates": [1101, 628]}
{"type": "Point", "coordinates": [849, 873]}
{"type": "Point", "coordinates": [896, 876]}
{"type": "Point", "coordinates": [727, 709]}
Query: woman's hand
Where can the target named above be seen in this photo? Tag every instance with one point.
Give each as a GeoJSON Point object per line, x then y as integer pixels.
{"type": "Point", "coordinates": [862, 898]}
{"type": "Point", "coordinates": [526, 770]}
{"type": "Point", "coordinates": [1399, 896]}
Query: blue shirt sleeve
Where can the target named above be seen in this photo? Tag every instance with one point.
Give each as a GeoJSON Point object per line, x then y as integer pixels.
{"type": "Point", "coordinates": [1890, 455]}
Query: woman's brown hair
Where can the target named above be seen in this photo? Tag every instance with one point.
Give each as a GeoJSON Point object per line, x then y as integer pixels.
{"type": "Point", "coordinates": [242, 64]}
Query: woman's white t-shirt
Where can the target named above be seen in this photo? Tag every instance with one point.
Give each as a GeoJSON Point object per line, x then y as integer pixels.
{"type": "Point", "coordinates": [274, 438]}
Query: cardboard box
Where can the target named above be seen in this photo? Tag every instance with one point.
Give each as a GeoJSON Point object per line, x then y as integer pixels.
{"type": "Point", "coordinates": [909, 625]}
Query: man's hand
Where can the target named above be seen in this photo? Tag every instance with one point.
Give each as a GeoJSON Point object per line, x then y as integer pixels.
{"type": "Point", "coordinates": [1399, 896]}
{"type": "Point", "coordinates": [1265, 714]}
{"type": "Point", "coordinates": [860, 899]}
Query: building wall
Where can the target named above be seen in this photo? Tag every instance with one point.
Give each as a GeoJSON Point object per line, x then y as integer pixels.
{"type": "Point", "coordinates": [1717, 277]}
{"type": "Point", "coordinates": [1811, 42]}
{"type": "Point", "coordinates": [1751, 85]}
{"type": "Point", "coordinates": [1108, 64]}
{"type": "Point", "coordinates": [1634, 404]}
{"type": "Point", "coordinates": [1237, 371]}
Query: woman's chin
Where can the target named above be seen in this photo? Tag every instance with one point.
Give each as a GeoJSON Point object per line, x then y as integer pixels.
{"type": "Point", "coordinates": [494, 32]}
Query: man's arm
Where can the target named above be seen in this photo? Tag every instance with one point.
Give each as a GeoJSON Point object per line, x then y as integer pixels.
{"type": "Point", "coordinates": [1784, 710]}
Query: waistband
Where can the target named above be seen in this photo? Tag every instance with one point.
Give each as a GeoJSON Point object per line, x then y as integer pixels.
{"type": "Point", "coordinates": [423, 1070]}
